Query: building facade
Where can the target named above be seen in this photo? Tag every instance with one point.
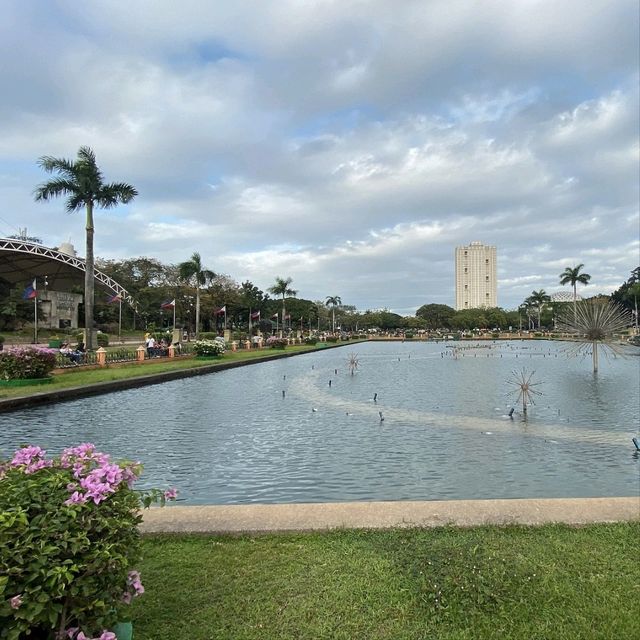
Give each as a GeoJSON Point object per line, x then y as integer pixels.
{"type": "Point", "coordinates": [476, 277]}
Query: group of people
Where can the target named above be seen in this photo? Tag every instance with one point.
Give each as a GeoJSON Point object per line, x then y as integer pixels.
{"type": "Point", "coordinates": [75, 355]}
{"type": "Point", "coordinates": [157, 349]}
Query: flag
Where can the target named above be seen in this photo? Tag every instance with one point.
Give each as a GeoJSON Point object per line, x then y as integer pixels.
{"type": "Point", "coordinates": [30, 292]}
{"type": "Point", "coordinates": [220, 311]}
{"type": "Point", "coordinates": [275, 315]}
{"type": "Point", "coordinates": [169, 304]}
{"type": "Point", "coordinates": [288, 316]}
{"type": "Point", "coordinates": [255, 316]}
{"type": "Point", "coordinates": [115, 298]}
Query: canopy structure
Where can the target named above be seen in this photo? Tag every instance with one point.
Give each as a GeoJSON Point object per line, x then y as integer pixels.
{"type": "Point", "coordinates": [21, 261]}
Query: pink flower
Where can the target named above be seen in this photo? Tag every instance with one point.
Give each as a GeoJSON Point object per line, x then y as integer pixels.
{"type": "Point", "coordinates": [171, 494]}
{"type": "Point", "coordinates": [16, 601]}
{"type": "Point", "coordinates": [107, 635]}
{"type": "Point", "coordinates": [127, 597]}
{"type": "Point", "coordinates": [26, 455]}
{"type": "Point", "coordinates": [71, 631]}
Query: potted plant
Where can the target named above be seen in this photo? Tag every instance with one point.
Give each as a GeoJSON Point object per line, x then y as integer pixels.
{"type": "Point", "coordinates": [21, 366]}
{"type": "Point", "coordinates": [69, 543]}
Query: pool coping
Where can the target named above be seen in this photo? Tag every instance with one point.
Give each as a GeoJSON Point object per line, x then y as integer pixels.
{"type": "Point", "coordinates": [265, 518]}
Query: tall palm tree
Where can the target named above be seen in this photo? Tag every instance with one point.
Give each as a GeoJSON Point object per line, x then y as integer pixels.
{"type": "Point", "coordinates": [83, 182]}
{"type": "Point", "coordinates": [282, 288]}
{"type": "Point", "coordinates": [193, 272]}
{"type": "Point", "coordinates": [333, 302]}
{"type": "Point", "coordinates": [538, 299]}
{"type": "Point", "coordinates": [572, 277]}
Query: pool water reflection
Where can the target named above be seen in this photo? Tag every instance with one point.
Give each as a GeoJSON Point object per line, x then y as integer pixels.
{"type": "Point", "coordinates": [234, 437]}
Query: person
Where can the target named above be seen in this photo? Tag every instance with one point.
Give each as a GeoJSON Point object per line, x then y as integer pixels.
{"type": "Point", "coordinates": [151, 346]}
{"type": "Point", "coordinates": [68, 352]}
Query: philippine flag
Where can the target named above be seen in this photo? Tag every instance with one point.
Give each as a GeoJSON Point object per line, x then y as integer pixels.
{"type": "Point", "coordinates": [30, 292]}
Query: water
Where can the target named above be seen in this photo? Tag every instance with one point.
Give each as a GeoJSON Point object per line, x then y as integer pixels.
{"type": "Point", "coordinates": [231, 437]}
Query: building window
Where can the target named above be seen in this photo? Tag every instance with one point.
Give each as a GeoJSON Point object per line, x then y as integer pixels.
{"type": "Point", "coordinates": [465, 269]}
{"type": "Point", "coordinates": [486, 261]}
{"type": "Point", "coordinates": [487, 278]}
{"type": "Point", "coordinates": [466, 286]}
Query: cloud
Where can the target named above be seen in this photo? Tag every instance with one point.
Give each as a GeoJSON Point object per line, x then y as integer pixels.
{"type": "Point", "coordinates": [350, 146]}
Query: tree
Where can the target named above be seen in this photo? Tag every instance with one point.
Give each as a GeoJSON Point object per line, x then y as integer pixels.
{"type": "Point", "coordinates": [281, 288]}
{"type": "Point", "coordinates": [538, 299]}
{"type": "Point", "coordinates": [437, 316]}
{"type": "Point", "coordinates": [333, 302]}
{"type": "Point", "coordinates": [572, 277]}
{"type": "Point", "coordinates": [83, 182]}
{"type": "Point", "coordinates": [192, 271]}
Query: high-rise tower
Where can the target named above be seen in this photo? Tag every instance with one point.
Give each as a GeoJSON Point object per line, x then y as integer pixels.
{"type": "Point", "coordinates": [476, 281]}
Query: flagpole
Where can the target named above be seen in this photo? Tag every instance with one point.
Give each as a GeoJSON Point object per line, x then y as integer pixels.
{"type": "Point", "coordinates": [119, 319]}
{"type": "Point", "coordinates": [35, 313]}
{"type": "Point", "coordinates": [249, 320]}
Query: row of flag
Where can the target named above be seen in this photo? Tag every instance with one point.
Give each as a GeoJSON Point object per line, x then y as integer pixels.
{"type": "Point", "coordinates": [31, 292]}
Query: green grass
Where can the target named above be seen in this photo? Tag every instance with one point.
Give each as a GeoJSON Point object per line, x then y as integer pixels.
{"type": "Point", "coordinates": [551, 582]}
{"type": "Point", "coordinates": [79, 377]}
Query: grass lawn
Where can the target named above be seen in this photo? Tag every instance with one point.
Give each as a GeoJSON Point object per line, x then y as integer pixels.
{"type": "Point", "coordinates": [551, 582]}
{"type": "Point", "coordinates": [79, 377]}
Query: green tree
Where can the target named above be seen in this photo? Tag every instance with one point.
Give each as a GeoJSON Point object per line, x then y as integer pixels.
{"type": "Point", "coordinates": [572, 276]}
{"type": "Point", "coordinates": [333, 302]}
{"type": "Point", "coordinates": [539, 299]}
{"type": "Point", "coordinates": [282, 288]}
{"type": "Point", "coordinates": [195, 274]}
{"type": "Point", "coordinates": [82, 181]}
{"type": "Point", "coordinates": [437, 316]}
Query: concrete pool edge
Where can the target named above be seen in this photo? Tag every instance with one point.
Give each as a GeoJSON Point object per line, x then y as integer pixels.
{"type": "Point", "coordinates": [263, 518]}
{"type": "Point", "coordinates": [143, 380]}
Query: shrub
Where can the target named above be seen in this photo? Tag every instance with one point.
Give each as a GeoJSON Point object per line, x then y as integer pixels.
{"type": "Point", "coordinates": [208, 335]}
{"type": "Point", "coordinates": [26, 363]}
{"type": "Point", "coordinates": [408, 335]}
{"type": "Point", "coordinates": [208, 347]}
{"type": "Point", "coordinates": [276, 343]}
{"type": "Point", "coordinates": [332, 338]}
{"type": "Point", "coordinates": [310, 341]}
{"type": "Point", "coordinates": [69, 542]}
{"type": "Point", "coordinates": [102, 339]}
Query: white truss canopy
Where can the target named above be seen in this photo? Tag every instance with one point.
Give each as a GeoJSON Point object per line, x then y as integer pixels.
{"type": "Point", "coordinates": [22, 261]}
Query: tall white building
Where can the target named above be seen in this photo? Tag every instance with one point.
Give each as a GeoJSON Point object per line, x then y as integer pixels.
{"type": "Point", "coordinates": [476, 281]}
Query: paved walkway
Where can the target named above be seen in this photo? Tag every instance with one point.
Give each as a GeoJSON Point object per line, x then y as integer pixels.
{"type": "Point", "coordinates": [379, 515]}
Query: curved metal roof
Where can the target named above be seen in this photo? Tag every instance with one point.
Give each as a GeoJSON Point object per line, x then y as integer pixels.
{"type": "Point", "coordinates": [21, 261]}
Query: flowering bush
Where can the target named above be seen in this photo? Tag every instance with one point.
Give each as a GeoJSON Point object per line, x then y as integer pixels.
{"type": "Point", "coordinates": [208, 347]}
{"type": "Point", "coordinates": [69, 543]}
{"type": "Point", "coordinates": [277, 343]}
{"type": "Point", "coordinates": [22, 363]}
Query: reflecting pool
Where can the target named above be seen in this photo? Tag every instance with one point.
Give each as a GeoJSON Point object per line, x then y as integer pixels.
{"type": "Point", "coordinates": [303, 429]}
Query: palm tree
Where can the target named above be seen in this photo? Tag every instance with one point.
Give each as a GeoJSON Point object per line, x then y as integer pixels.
{"type": "Point", "coordinates": [281, 288]}
{"type": "Point", "coordinates": [333, 302]}
{"type": "Point", "coordinates": [192, 271]}
{"type": "Point", "coordinates": [572, 277]}
{"type": "Point", "coordinates": [83, 182]}
{"type": "Point", "coordinates": [538, 299]}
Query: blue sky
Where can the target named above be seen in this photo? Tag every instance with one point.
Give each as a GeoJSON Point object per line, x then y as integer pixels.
{"type": "Point", "coordinates": [350, 146]}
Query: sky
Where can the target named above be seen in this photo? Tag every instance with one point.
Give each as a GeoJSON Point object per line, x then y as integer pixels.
{"type": "Point", "coordinates": [350, 145]}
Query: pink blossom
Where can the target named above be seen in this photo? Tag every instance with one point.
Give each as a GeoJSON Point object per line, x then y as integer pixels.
{"type": "Point", "coordinates": [127, 597]}
{"type": "Point", "coordinates": [76, 498]}
{"type": "Point", "coordinates": [107, 635]}
{"type": "Point", "coordinates": [171, 494]}
{"type": "Point", "coordinates": [71, 631]}
{"type": "Point", "coordinates": [25, 455]}
{"type": "Point", "coordinates": [16, 601]}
